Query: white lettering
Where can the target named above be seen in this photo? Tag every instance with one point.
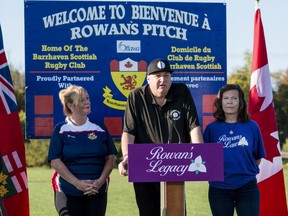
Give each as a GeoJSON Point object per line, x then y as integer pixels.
{"type": "Point", "coordinates": [164, 169]}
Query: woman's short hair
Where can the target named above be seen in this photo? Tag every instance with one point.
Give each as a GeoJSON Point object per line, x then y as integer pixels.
{"type": "Point", "coordinates": [71, 95]}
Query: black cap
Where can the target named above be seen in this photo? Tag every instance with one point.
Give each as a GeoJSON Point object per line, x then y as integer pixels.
{"type": "Point", "coordinates": [158, 65]}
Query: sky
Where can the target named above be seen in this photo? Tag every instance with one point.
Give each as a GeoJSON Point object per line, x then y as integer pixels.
{"type": "Point", "coordinates": [240, 27]}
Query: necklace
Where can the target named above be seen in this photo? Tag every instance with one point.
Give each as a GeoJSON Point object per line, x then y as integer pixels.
{"type": "Point", "coordinates": [231, 127]}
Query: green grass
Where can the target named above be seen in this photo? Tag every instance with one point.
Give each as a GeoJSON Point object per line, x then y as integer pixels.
{"type": "Point", "coordinates": [121, 200]}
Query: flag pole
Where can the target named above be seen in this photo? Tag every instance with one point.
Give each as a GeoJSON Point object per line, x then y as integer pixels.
{"type": "Point", "coordinates": [257, 4]}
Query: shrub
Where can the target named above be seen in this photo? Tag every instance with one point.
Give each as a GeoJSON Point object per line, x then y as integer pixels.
{"type": "Point", "coordinates": [37, 153]}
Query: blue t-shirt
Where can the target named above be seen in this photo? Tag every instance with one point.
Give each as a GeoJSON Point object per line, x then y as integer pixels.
{"type": "Point", "coordinates": [82, 149]}
{"type": "Point", "coordinates": [241, 149]}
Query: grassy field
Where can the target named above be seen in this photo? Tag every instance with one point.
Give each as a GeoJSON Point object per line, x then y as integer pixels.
{"type": "Point", "coordinates": [121, 200]}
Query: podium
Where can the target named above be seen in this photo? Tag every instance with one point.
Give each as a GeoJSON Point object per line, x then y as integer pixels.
{"type": "Point", "coordinates": [173, 198]}
{"type": "Point", "coordinates": [172, 165]}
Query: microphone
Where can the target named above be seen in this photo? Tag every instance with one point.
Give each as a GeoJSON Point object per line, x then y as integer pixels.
{"type": "Point", "coordinates": [174, 115]}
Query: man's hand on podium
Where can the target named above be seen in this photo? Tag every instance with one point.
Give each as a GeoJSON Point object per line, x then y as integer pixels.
{"type": "Point", "coordinates": [123, 166]}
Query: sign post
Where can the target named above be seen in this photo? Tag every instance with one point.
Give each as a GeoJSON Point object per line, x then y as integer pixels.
{"type": "Point", "coordinates": [172, 165]}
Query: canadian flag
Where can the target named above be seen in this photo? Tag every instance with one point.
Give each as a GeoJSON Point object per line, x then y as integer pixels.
{"type": "Point", "coordinates": [261, 107]}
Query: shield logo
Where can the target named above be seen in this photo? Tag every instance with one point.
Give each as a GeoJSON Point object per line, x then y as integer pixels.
{"type": "Point", "coordinates": [128, 74]}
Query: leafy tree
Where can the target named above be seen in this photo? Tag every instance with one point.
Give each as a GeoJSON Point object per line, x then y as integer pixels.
{"type": "Point", "coordinates": [20, 98]}
{"type": "Point", "coordinates": [241, 76]}
{"type": "Point", "coordinates": [19, 88]}
{"type": "Point", "coordinates": [281, 104]}
{"type": "Point", "coordinates": [22, 117]}
{"type": "Point", "coordinates": [18, 79]}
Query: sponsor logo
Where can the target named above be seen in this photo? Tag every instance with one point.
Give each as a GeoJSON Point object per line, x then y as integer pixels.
{"type": "Point", "coordinates": [128, 46]}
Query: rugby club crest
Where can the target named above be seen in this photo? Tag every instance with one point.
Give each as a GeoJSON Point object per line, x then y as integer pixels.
{"type": "Point", "coordinates": [126, 75]}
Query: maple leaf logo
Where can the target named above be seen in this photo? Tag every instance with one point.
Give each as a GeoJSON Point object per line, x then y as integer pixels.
{"type": "Point", "coordinates": [268, 127]}
{"type": "Point", "coordinates": [262, 111]}
{"type": "Point", "coordinates": [128, 64]}
{"type": "Point", "coordinates": [264, 88]}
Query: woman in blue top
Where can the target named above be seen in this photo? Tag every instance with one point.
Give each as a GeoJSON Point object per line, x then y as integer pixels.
{"type": "Point", "coordinates": [82, 153]}
{"type": "Point", "coordinates": [243, 149]}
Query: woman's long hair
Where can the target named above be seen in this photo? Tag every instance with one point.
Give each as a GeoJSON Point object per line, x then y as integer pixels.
{"type": "Point", "coordinates": [243, 115]}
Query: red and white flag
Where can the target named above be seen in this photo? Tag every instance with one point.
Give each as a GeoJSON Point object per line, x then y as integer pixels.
{"type": "Point", "coordinates": [13, 175]}
{"type": "Point", "coordinates": [261, 107]}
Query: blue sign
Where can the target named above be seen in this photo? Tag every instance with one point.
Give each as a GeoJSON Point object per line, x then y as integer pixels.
{"type": "Point", "coordinates": [105, 46]}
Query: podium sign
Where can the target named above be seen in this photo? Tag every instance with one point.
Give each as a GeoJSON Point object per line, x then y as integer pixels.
{"type": "Point", "coordinates": [175, 162]}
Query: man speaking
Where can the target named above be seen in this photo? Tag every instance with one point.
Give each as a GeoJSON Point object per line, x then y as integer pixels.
{"type": "Point", "coordinates": [160, 112]}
